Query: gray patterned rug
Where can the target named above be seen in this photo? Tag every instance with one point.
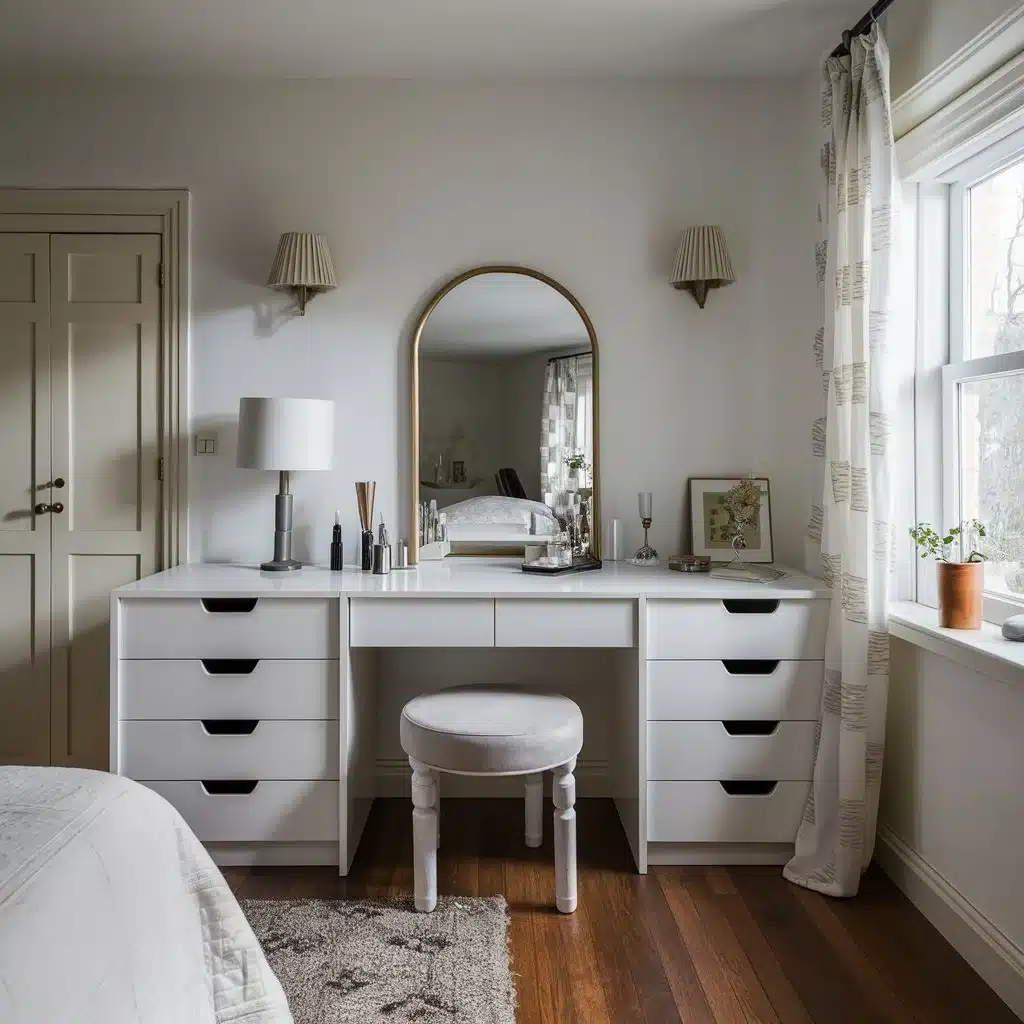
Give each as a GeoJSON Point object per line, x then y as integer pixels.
{"type": "Point", "coordinates": [372, 961]}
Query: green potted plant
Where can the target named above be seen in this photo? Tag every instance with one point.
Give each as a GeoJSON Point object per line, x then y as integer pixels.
{"type": "Point", "coordinates": [961, 570]}
{"type": "Point", "coordinates": [578, 471]}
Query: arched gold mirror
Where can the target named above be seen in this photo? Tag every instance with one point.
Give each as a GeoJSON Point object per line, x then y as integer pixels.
{"type": "Point", "coordinates": [504, 415]}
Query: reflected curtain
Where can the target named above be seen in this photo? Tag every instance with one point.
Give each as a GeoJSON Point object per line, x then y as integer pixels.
{"type": "Point", "coordinates": [566, 423]}
{"type": "Point", "coordinates": [850, 532]}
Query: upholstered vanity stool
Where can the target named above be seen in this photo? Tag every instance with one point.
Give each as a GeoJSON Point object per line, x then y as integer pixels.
{"type": "Point", "coordinates": [485, 730]}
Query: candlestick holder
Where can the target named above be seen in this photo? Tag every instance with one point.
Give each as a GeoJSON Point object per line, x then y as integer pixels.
{"type": "Point", "coordinates": [646, 555]}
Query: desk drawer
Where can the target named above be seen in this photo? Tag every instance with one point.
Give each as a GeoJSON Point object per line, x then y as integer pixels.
{"type": "Point", "coordinates": [229, 688]}
{"type": "Point", "coordinates": [720, 691]}
{"type": "Point", "coordinates": [703, 812]}
{"type": "Point", "coordinates": [422, 622]}
{"type": "Point", "coordinates": [169, 751]}
{"type": "Point", "coordinates": [716, 751]}
{"type": "Point", "coordinates": [274, 812]}
{"type": "Point", "coordinates": [564, 623]}
{"type": "Point", "coordinates": [784, 630]}
{"type": "Point", "coordinates": [294, 627]}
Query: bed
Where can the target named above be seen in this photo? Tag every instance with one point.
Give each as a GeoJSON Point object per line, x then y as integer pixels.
{"type": "Point", "coordinates": [111, 911]}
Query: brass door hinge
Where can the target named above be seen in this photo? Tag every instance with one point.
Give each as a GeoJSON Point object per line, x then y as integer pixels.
{"type": "Point", "coordinates": [160, 274]}
{"type": "Point", "coordinates": [160, 468]}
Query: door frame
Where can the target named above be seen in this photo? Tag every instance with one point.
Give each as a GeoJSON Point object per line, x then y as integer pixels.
{"type": "Point", "coordinates": [68, 210]}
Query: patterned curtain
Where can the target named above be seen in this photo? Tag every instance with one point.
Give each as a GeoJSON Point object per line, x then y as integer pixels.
{"type": "Point", "coordinates": [568, 382]}
{"type": "Point", "coordinates": [852, 528]}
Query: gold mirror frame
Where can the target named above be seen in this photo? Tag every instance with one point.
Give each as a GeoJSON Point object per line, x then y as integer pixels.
{"type": "Point", "coordinates": [595, 529]}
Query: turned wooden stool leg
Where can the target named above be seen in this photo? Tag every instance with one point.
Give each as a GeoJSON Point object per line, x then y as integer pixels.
{"type": "Point", "coordinates": [424, 835]}
{"type": "Point", "coordinates": [564, 792]}
{"type": "Point", "coordinates": [534, 810]}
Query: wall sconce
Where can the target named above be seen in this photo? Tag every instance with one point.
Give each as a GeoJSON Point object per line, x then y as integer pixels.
{"type": "Point", "coordinates": [702, 262]}
{"type": "Point", "coordinates": [302, 267]}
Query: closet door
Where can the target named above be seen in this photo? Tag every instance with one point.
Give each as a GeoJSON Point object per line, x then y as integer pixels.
{"type": "Point", "coordinates": [105, 312]}
{"type": "Point", "coordinates": [24, 472]}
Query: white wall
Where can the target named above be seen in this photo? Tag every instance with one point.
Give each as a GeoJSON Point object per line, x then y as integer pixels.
{"type": "Point", "coordinates": [412, 182]}
{"type": "Point", "coordinates": [922, 34]}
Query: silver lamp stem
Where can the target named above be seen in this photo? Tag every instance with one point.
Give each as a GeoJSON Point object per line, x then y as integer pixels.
{"type": "Point", "coordinates": [283, 560]}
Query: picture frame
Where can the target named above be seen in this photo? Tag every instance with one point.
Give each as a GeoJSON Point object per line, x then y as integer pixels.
{"type": "Point", "coordinates": [709, 522]}
{"type": "Point", "coordinates": [458, 472]}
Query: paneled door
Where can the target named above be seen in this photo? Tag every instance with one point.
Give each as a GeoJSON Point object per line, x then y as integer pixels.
{"type": "Point", "coordinates": [24, 467]}
{"type": "Point", "coordinates": [90, 394]}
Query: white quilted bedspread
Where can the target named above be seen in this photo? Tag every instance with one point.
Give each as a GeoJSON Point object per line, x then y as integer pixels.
{"type": "Point", "coordinates": [111, 911]}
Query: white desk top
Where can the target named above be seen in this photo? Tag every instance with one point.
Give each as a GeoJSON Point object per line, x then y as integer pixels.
{"type": "Point", "coordinates": [461, 577]}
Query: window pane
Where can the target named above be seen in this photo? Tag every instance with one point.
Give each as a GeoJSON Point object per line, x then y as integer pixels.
{"type": "Point", "coordinates": [992, 474]}
{"type": "Point", "coordinates": [996, 264]}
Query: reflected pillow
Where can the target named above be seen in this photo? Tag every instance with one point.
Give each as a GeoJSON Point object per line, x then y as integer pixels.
{"type": "Point", "coordinates": [529, 517]}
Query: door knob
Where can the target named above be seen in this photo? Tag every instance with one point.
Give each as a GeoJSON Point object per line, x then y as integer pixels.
{"type": "Point", "coordinates": [56, 507]}
{"type": "Point", "coordinates": [59, 482]}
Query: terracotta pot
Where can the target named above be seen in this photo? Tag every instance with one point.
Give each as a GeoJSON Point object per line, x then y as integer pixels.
{"type": "Point", "coordinates": [960, 586]}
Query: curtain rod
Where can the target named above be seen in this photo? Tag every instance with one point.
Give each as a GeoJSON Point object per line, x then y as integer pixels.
{"type": "Point", "coordinates": [572, 355]}
{"type": "Point", "coordinates": [862, 26]}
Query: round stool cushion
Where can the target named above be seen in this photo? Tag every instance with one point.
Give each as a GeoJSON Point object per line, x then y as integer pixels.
{"type": "Point", "coordinates": [486, 730]}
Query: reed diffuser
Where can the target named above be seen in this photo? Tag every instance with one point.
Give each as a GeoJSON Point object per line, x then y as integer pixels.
{"type": "Point", "coordinates": [366, 491]}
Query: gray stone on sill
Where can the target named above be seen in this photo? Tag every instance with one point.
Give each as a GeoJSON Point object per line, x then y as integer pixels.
{"type": "Point", "coordinates": [1013, 627]}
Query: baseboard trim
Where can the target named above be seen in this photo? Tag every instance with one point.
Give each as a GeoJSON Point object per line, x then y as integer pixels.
{"type": "Point", "coordinates": [995, 956]}
{"type": "Point", "coordinates": [697, 854]}
{"type": "Point", "coordinates": [236, 855]}
{"type": "Point", "coordinates": [393, 778]}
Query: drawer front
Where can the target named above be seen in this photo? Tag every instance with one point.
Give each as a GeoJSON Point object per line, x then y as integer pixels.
{"type": "Point", "coordinates": [703, 812]}
{"type": "Point", "coordinates": [786, 630]}
{"type": "Point", "coordinates": [294, 627]}
{"type": "Point", "coordinates": [717, 751]}
{"type": "Point", "coordinates": [229, 688]}
{"type": "Point", "coordinates": [422, 622]}
{"type": "Point", "coordinates": [564, 623]}
{"type": "Point", "coordinates": [720, 691]}
{"type": "Point", "coordinates": [172, 751]}
{"type": "Point", "coordinates": [274, 812]}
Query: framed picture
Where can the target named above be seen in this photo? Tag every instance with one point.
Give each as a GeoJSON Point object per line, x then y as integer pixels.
{"type": "Point", "coordinates": [459, 472]}
{"type": "Point", "coordinates": [712, 529]}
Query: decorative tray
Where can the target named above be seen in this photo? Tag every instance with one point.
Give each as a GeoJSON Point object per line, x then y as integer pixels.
{"type": "Point", "coordinates": [583, 564]}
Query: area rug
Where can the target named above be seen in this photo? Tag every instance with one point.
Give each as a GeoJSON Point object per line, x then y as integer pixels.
{"type": "Point", "coordinates": [372, 961]}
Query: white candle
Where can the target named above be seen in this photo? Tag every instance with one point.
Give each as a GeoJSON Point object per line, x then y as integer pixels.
{"type": "Point", "coordinates": [646, 504]}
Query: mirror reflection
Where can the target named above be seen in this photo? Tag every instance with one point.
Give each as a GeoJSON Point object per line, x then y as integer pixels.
{"type": "Point", "coordinates": [506, 374]}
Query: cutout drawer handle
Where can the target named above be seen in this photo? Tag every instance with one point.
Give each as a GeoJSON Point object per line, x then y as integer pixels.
{"type": "Point", "coordinates": [230, 666]}
{"type": "Point", "coordinates": [757, 606]}
{"type": "Point", "coordinates": [748, 788]}
{"type": "Point", "coordinates": [229, 604]}
{"type": "Point", "coordinates": [230, 726]}
{"type": "Point", "coordinates": [749, 666]}
{"type": "Point", "coordinates": [243, 787]}
{"type": "Point", "coordinates": [735, 728]}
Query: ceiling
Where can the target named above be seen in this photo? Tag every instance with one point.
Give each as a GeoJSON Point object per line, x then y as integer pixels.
{"type": "Point", "coordinates": [500, 316]}
{"type": "Point", "coordinates": [417, 38]}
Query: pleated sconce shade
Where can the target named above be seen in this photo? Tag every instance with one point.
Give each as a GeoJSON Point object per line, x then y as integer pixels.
{"type": "Point", "coordinates": [302, 266]}
{"type": "Point", "coordinates": [702, 262]}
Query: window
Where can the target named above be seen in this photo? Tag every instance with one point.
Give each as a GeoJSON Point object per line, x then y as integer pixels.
{"type": "Point", "coordinates": [983, 382]}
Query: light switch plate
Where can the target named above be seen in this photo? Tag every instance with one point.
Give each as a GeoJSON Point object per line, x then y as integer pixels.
{"type": "Point", "coordinates": [206, 446]}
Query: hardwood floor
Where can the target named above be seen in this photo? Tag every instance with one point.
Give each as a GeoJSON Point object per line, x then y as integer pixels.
{"type": "Point", "coordinates": [683, 944]}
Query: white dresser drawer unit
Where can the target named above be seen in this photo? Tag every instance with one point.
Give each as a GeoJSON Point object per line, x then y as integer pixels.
{"type": "Point", "coordinates": [229, 627]}
{"type": "Point", "coordinates": [226, 749]}
{"type": "Point", "coordinates": [724, 751]}
{"type": "Point", "coordinates": [734, 689]}
{"type": "Point", "coordinates": [229, 688]}
{"type": "Point", "coordinates": [564, 623]}
{"type": "Point", "coordinates": [737, 812]}
{"type": "Point", "coordinates": [408, 622]}
{"type": "Point", "coordinates": [748, 628]}
{"type": "Point", "coordinates": [256, 812]}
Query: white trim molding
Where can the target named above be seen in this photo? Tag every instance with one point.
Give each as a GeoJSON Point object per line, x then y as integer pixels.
{"type": "Point", "coordinates": [983, 650]}
{"type": "Point", "coordinates": [170, 210]}
{"type": "Point", "coordinates": [982, 55]}
{"type": "Point", "coordinates": [998, 959]}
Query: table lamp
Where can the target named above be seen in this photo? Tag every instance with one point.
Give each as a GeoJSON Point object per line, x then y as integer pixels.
{"type": "Point", "coordinates": [287, 435]}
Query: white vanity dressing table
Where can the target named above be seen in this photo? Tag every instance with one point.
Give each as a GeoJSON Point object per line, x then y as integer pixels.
{"type": "Point", "coordinates": [259, 703]}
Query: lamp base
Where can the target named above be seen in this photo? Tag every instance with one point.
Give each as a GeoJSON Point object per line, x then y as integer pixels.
{"type": "Point", "coordinates": [285, 565]}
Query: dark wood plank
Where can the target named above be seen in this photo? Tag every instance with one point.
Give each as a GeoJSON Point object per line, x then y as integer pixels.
{"type": "Point", "coordinates": [696, 945]}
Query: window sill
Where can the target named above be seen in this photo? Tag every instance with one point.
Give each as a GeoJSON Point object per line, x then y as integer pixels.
{"type": "Point", "coordinates": [983, 650]}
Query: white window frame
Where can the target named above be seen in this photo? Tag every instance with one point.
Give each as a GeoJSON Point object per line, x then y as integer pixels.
{"type": "Point", "coordinates": [951, 288]}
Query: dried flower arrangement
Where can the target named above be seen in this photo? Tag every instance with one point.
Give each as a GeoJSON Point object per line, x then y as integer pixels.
{"type": "Point", "coordinates": [743, 503]}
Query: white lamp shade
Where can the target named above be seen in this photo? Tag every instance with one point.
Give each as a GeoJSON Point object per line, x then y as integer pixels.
{"type": "Point", "coordinates": [285, 433]}
{"type": "Point", "coordinates": [303, 260]}
{"type": "Point", "coordinates": [702, 256]}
